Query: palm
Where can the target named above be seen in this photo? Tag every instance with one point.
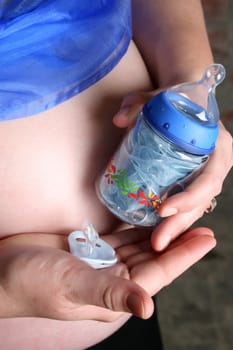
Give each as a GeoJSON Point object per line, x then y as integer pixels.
{"type": "Point", "coordinates": [152, 270]}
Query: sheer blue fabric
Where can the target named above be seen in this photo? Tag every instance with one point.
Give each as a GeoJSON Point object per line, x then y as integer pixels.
{"type": "Point", "coordinates": [51, 50]}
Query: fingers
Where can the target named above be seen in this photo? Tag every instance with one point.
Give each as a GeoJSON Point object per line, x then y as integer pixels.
{"type": "Point", "coordinates": [208, 184]}
{"type": "Point", "coordinates": [171, 227]}
{"type": "Point", "coordinates": [129, 250]}
{"type": "Point", "coordinates": [127, 237]}
{"type": "Point", "coordinates": [183, 209]}
{"type": "Point", "coordinates": [130, 107]}
{"type": "Point", "coordinates": [158, 270]}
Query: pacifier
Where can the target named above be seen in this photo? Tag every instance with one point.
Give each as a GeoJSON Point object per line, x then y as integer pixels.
{"type": "Point", "coordinates": [88, 247]}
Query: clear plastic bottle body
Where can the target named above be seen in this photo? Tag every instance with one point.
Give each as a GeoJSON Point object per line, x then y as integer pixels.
{"type": "Point", "coordinates": [174, 134]}
{"type": "Point", "coordinates": [142, 173]}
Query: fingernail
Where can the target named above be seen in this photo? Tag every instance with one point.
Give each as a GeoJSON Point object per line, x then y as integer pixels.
{"type": "Point", "coordinates": [163, 242]}
{"type": "Point", "coordinates": [123, 112]}
{"type": "Point", "coordinates": [134, 304]}
{"type": "Point", "coordinates": [169, 212]}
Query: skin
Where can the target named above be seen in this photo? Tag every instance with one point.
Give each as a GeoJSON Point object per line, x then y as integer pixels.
{"type": "Point", "coordinates": [181, 47]}
{"type": "Point", "coordinates": [43, 198]}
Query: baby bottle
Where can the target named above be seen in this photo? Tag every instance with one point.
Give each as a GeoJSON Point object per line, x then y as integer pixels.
{"type": "Point", "coordinates": [172, 138]}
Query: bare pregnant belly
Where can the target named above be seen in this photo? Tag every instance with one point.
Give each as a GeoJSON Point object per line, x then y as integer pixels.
{"type": "Point", "coordinates": [48, 168]}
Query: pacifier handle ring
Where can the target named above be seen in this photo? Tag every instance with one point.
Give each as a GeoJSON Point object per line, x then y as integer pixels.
{"type": "Point", "coordinates": [74, 237]}
{"type": "Point", "coordinates": [96, 252]}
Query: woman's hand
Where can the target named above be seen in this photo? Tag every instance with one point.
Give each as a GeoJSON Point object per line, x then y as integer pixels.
{"type": "Point", "coordinates": [155, 270]}
{"type": "Point", "coordinates": [181, 210]}
{"type": "Point", "coordinates": [45, 281]}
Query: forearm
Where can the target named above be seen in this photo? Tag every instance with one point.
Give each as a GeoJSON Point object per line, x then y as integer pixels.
{"type": "Point", "coordinates": [10, 304]}
{"type": "Point", "coordinates": [172, 38]}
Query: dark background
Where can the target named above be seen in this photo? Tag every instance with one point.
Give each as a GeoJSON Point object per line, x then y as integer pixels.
{"type": "Point", "coordinates": [196, 311]}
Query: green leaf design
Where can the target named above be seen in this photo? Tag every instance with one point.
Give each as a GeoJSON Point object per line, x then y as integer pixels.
{"type": "Point", "coordinates": [119, 184]}
{"type": "Point", "coordinates": [125, 186]}
{"type": "Point", "coordinates": [134, 189]}
{"type": "Point", "coordinates": [125, 183]}
{"type": "Point", "coordinates": [124, 192]}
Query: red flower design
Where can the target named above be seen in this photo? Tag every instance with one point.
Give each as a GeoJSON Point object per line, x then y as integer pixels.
{"type": "Point", "coordinates": [144, 199]}
{"type": "Point", "coordinates": [132, 195]}
{"type": "Point", "coordinates": [111, 168]}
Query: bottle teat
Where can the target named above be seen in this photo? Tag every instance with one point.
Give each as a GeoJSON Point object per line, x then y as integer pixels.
{"type": "Point", "coordinates": [200, 93]}
{"type": "Point", "coordinates": [187, 114]}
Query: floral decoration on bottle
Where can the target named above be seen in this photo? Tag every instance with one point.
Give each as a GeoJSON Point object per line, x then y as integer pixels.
{"type": "Point", "coordinates": [128, 188]}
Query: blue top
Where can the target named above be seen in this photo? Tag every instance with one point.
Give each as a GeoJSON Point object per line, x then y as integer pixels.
{"type": "Point", "coordinates": [180, 125]}
{"type": "Point", "coordinates": [50, 50]}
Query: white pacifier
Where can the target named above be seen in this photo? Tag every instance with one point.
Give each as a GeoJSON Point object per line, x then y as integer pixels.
{"type": "Point", "coordinates": [87, 246]}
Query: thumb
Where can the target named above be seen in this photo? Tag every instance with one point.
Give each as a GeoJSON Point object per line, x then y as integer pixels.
{"type": "Point", "coordinates": [131, 106]}
{"type": "Point", "coordinates": [100, 288]}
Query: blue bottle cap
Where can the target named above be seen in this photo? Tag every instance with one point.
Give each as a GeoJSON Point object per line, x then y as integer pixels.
{"type": "Point", "coordinates": [179, 125]}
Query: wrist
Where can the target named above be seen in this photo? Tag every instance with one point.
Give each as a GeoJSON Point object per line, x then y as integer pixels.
{"type": "Point", "coordinates": [58, 241]}
{"type": "Point", "coordinates": [11, 302]}
{"type": "Point", "coordinates": [180, 75]}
